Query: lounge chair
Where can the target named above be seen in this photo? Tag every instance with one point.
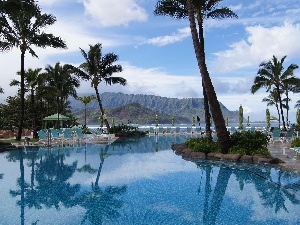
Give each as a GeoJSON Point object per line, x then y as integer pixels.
{"type": "Point", "coordinates": [289, 136]}
{"type": "Point", "coordinates": [55, 135]}
{"type": "Point", "coordinates": [78, 134]}
{"type": "Point", "coordinates": [151, 131]}
{"type": "Point", "coordinates": [188, 130]}
{"type": "Point", "coordinates": [276, 136]}
{"type": "Point", "coordinates": [43, 137]}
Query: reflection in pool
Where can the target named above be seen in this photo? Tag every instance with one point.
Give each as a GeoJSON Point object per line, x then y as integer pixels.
{"type": "Point", "coordinates": [140, 181]}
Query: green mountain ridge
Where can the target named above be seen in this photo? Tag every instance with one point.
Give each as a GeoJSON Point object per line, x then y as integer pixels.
{"type": "Point", "coordinates": [142, 109]}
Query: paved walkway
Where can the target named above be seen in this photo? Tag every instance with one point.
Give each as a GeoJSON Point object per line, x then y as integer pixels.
{"type": "Point", "coordinates": [283, 152]}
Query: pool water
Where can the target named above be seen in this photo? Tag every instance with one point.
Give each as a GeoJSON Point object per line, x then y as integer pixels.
{"type": "Point", "coordinates": [140, 181]}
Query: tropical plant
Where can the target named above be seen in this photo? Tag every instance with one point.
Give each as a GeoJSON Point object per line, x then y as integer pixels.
{"type": "Point", "coordinates": [86, 100]}
{"type": "Point", "coordinates": [22, 25]}
{"type": "Point", "coordinates": [203, 144]}
{"type": "Point", "coordinates": [272, 76]}
{"type": "Point", "coordinates": [177, 9]}
{"type": "Point", "coordinates": [204, 10]}
{"type": "Point", "coordinates": [61, 84]}
{"type": "Point", "coordinates": [31, 81]}
{"type": "Point", "coordinates": [250, 143]}
{"type": "Point", "coordinates": [98, 68]}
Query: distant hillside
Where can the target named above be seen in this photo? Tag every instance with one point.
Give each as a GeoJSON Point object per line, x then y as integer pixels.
{"type": "Point", "coordinates": [145, 107]}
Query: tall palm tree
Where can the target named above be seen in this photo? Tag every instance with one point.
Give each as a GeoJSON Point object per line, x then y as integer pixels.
{"type": "Point", "coordinates": [272, 75]}
{"type": "Point", "coordinates": [86, 100]}
{"type": "Point", "coordinates": [98, 68]}
{"type": "Point", "coordinates": [177, 9]}
{"type": "Point", "coordinates": [62, 84]}
{"type": "Point", "coordinates": [31, 80]}
{"type": "Point", "coordinates": [204, 10]}
{"type": "Point", "coordinates": [22, 25]}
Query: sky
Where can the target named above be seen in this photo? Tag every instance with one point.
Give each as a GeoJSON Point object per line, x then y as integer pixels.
{"type": "Point", "coordinates": [156, 52]}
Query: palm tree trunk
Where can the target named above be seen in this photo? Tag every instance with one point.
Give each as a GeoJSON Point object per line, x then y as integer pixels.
{"type": "Point", "coordinates": [287, 108]}
{"type": "Point", "coordinates": [223, 136]}
{"type": "Point", "coordinates": [206, 113]}
{"type": "Point", "coordinates": [281, 108]}
{"type": "Point", "coordinates": [101, 107]}
{"type": "Point", "coordinates": [22, 94]}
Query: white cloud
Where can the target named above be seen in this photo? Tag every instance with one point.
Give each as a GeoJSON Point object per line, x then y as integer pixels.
{"type": "Point", "coordinates": [115, 12]}
{"type": "Point", "coordinates": [170, 39]}
{"type": "Point", "coordinates": [261, 45]}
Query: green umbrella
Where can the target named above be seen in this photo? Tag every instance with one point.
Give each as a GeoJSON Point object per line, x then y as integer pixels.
{"type": "Point", "coordinates": [101, 121]}
{"type": "Point", "coordinates": [113, 122]}
{"type": "Point", "coordinates": [268, 118]}
{"type": "Point", "coordinates": [241, 117]}
{"type": "Point", "coordinates": [298, 117]}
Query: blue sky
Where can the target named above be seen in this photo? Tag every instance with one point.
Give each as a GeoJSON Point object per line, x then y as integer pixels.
{"type": "Point", "coordinates": [157, 54]}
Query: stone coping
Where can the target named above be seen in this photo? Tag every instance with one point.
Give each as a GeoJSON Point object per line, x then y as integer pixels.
{"type": "Point", "coordinates": [188, 154]}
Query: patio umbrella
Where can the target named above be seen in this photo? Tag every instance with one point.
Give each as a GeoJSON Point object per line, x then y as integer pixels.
{"type": "Point", "coordinates": [241, 118]}
{"type": "Point", "coordinates": [298, 117]}
{"type": "Point", "coordinates": [268, 118]}
{"type": "Point", "coordinates": [56, 117]}
{"type": "Point", "coordinates": [248, 122]}
{"type": "Point", "coordinates": [101, 121]}
{"type": "Point", "coordinates": [198, 120]}
{"type": "Point", "coordinates": [113, 122]}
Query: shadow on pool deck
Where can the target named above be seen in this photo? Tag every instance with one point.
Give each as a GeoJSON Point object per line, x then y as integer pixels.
{"type": "Point", "coordinates": [283, 152]}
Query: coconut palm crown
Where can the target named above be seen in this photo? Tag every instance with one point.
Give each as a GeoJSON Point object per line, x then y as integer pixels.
{"type": "Point", "coordinates": [22, 25]}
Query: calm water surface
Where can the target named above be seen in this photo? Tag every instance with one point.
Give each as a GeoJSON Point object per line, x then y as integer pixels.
{"type": "Point", "coordinates": [140, 181]}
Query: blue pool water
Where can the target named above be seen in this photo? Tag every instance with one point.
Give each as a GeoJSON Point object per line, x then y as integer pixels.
{"type": "Point", "coordinates": [140, 181]}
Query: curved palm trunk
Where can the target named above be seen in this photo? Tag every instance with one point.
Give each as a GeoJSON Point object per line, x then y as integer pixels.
{"type": "Point", "coordinates": [22, 93]}
{"type": "Point", "coordinates": [278, 115]}
{"type": "Point", "coordinates": [217, 115]}
{"type": "Point", "coordinates": [206, 113]}
{"type": "Point", "coordinates": [101, 107]}
{"type": "Point", "coordinates": [287, 108]}
{"type": "Point", "coordinates": [281, 108]}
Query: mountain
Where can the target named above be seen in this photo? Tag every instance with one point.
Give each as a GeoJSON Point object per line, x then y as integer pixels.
{"type": "Point", "coordinates": [138, 108]}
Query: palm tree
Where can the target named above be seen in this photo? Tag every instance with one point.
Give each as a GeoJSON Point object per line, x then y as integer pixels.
{"type": "Point", "coordinates": [22, 25]}
{"type": "Point", "coordinates": [86, 100]}
{"type": "Point", "coordinates": [271, 100]}
{"type": "Point", "coordinates": [204, 10]}
{"type": "Point", "coordinates": [1, 90]}
{"type": "Point", "coordinates": [31, 80]}
{"type": "Point", "coordinates": [62, 84]}
{"type": "Point", "coordinates": [272, 75]}
{"type": "Point", "coordinates": [98, 68]}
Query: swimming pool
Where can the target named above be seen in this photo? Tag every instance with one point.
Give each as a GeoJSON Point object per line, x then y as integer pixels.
{"type": "Point", "coordinates": [140, 181]}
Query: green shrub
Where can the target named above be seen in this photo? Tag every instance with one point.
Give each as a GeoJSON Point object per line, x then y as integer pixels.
{"type": "Point", "coordinates": [125, 130]}
{"type": "Point", "coordinates": [203, 144]}
{"type": "Point", "coordinates": [249, 143]}
{"type": "Point", "coordinates": [296, 143]}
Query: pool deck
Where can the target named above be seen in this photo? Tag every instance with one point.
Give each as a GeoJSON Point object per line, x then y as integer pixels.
{"type": "Point", "coordinates": [284, 152]}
